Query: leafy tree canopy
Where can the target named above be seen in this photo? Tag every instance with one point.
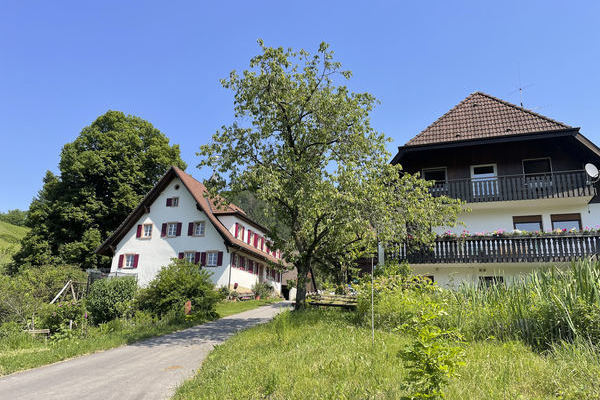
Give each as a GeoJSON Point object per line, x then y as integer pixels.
{"type": "Point", "coordinates": [302, 142]}
{"type": "Point", "coordinates": [14, 217]}
{"type": "Point", "coordinates": [104, 173]}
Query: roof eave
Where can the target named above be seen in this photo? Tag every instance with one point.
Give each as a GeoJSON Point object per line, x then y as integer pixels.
{"type": "Point", "coordinates": [402, 150]}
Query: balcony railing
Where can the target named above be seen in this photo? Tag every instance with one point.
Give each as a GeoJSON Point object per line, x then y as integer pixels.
{"type": "Point", "coordinates": [517, 187]}
{"type": "Point", "coordinates": [490, 249]}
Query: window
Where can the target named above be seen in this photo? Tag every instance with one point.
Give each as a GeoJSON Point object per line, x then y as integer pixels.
{"type": "Point", "coordinates": [490, 281]}
{"type": "Point", "coordinates": [537, 166]}
{"type": "Point", "coordinates": [435, 174]}
{"type": "Point", "coordinates": [211, 259]}
{"type": "Point", "coordinates": [129, 260]}
{"type": "Point", "coordinates": [529, 223]}
{"type": "Point", "coordinates": [173, 202]}
{"type": "Point", "coordinates": [484, 180]}
{"type": "Point", "coordinates": [190, 256]}
{"type": "Point", "coordinates": [566, 221]}
{"type": "Point", "coordinates": [172, 229]}
{"type": "Point", "coordinates": [199, 228]}
{"type": "Point", "coordinates": [147, 233]}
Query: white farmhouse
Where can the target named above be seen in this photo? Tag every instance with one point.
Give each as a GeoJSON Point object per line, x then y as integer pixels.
{"type": "Point", "coordinates": [176, 219]}
{"type": "Point", "coordinates": [522, 176]}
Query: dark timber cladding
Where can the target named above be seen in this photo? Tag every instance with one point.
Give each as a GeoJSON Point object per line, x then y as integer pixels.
{"type": "Point", "coordinates": [498, 249]}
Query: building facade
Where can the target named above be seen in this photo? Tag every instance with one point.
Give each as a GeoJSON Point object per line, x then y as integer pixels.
{"type": "Point", "coordinates": [177, 219]}
{"type": "Point", "coordinates": [528, 200]}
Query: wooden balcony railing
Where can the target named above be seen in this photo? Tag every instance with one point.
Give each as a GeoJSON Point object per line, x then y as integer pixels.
{"type": "Point", "coordinates": [490, 249]}
{"type": "Point", "coordinates": [517, 187]}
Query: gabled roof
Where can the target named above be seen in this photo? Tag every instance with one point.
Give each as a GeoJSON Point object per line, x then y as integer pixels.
{"type": "Point", "coordinates": [211, 207]}
{"type": "Point", "coordinates": [481, 116]}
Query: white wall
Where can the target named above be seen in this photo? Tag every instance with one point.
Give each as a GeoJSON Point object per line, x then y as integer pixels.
{"type": "Point", "coordinates": [493, 216]}
{"type": "Point", "coordinates": [453, 275]}
{"type": "Point", "coordinates": [158, 251]}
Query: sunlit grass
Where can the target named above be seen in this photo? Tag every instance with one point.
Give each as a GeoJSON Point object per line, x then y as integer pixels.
{"type": "Point", "coordinates": [323, 355]}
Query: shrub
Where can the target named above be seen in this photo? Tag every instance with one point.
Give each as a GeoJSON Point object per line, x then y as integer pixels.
{"type": "Point", "coordinates": [56, 316]}
{"type": "Point", "coordinates": [107, 298]}
{"type": "Point", "coordinates": [392, 268]}
{"type": "Point", "coordinates": [262, 289]}
{"type": "Point", "coordinates": [174, 286]}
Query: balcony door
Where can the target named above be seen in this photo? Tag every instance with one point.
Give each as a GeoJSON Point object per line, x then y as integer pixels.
{"type": "Point", "coordinates": [484, 179]}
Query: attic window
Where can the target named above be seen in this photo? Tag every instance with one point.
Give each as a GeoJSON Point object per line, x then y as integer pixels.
{"type": "Point", "coordinates": [177, 187]}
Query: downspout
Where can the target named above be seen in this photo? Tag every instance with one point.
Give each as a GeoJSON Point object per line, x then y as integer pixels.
{"type": "Point", "coordinates": [230, 258]}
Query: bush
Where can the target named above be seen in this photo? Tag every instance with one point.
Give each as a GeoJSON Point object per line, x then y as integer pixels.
{"type": "Point", "coordinates": [56, 316]}
{"type": "Point", "coordinates": [174, 286]}
{"type": "Point", "coordinates": [262, 289]}
{"type": "Point", "coordinates": [108, 297]}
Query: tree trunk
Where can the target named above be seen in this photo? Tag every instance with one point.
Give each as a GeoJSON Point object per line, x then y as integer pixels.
{"type": "Point", "coordinates": [303, 268]}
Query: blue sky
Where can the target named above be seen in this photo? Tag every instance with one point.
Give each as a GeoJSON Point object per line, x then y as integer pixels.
{"type": "Point", "coordinates": [62, 64]}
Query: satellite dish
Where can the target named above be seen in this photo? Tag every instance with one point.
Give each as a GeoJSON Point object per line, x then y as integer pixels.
{"type": "Point", "coordinates": [592, 171]}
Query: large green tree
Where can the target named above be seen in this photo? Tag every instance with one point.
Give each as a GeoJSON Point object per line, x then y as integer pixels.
{"type": "Point", "coordinates": [302, 142]}
{"type": "Point", "coordinates": [104, 173]}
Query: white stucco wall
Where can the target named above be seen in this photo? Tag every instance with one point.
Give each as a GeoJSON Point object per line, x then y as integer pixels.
{"type": "Point", "coordinates": [156, 252]}
{"type": "Point", "coordinates": [453, 275]}
{"type": "Point", "coordinates": [499, 215]}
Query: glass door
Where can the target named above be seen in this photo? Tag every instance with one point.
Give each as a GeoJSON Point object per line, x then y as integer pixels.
{"type": "Point", "coordinates": [484, 179]}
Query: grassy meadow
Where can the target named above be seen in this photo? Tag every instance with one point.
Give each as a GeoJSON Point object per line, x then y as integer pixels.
{"type": "Point", "coordinates": [322, 354]}
{"type": "Point", "coordinates": [537, 339]}
{"type": "Point", "coordinates": [10, 236]}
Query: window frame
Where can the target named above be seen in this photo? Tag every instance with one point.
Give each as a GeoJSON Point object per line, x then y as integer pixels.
{"type": "Point", "coordinates": [144, 236]}
{"type": "Point", "coordinates": [196, 224]}
{"type": "Point", "coordinates": [175, 201]}
{"type": "Point", "coordinates": [536, 159]}
{"type": "Point", "coordinates": [185, 256]}
{"type": "Point", "coordinates": [216, 255]}
{"type": "Point", "coordinates": [494, 165]}
{"type": "Point", "coordinates": [565, 217]}
{"type": "Point", "coordinates": [490, 281]}
{"type": "Point", "coordinates": [524, 219]}
{"type": "Point", "coordinates": [125, 261]}
{"type": "Point", "coordinates": [445, 169]}
{"type": "Point", "coordinates": [169, 227]}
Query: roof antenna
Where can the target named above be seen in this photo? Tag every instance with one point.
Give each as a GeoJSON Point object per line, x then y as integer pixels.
{"type": "Point", "coordinates": [521, 87]}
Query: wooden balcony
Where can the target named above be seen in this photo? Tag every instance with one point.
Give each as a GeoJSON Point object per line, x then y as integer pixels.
{"type": "Point", "coordinates": [517, 187]}
{"type": "Point", "coordinates": [491, 249]}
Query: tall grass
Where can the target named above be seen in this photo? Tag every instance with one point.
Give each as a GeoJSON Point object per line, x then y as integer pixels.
{"type": "Point", "coordinates": [546, 307]}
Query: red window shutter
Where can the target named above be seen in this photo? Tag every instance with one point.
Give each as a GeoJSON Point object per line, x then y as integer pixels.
{"type": "Point", "coordinates": [249, 236]}
{"type": "Point", "coordinates": [197, 257]}
{"type": "Point", "coordinates": [136, 258]}
{"type": "Point", "coordinates": [179, 225]}
{"type": "Point", "coordinates": [121, 257]}
{"type": "Point", "coordinates": [163, 230]}
{"type": "Point", "coordinates": [237, 229]}
{"type": "Point", "coordinates": [181, 256]}
{"type": "Point", "coordinates": [138, 234]}
{"type": "Point", "coordinates": [191, 229]}
{"type": "Point", "coordinates": [203, 258]}
{"type": "Point", "coordinates": [262, 242]}
{"type": "Point", "coordinates": [233, 260]}
{"type": "Point", "coordinates": [219, 259]}
{"type": "Point", "coordinates": [255, 240]}
{"type": "Point", "coordinates": [169, 202]}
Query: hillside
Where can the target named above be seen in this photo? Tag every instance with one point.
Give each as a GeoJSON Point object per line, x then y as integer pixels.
{"type": "Point", "coordinates": [10, 235]}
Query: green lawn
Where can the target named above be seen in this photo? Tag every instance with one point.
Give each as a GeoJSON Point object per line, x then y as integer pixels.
{"type": "Point", "coordinates": [10, 236]}
{"type": "Point", "coordinates": [324, 355]}
{"type": "Point", "coordinates": [23, 352]}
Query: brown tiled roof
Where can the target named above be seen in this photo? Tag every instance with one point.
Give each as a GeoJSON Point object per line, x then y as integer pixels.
{"type": "Point", "coordinates": [481, 116]}
{"type": "Point", "coordinates": [200, 194]}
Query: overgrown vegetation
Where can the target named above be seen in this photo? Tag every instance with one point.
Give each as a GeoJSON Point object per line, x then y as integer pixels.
{"type": "Point", "coordinates": [14, 217]}
{"type": "Point", "coordinates": [114, 313]}
{"type": "Point", "coordinates": [335, 359]}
